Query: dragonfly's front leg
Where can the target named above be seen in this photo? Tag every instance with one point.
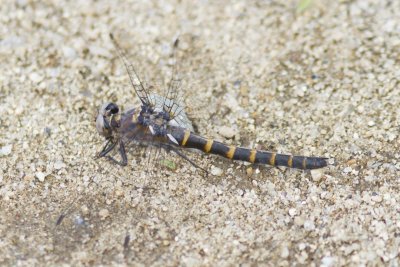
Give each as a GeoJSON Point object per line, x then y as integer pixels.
{"type": "Point", "coordinates": [122, 152]}
{"type": "Point", "coordinates": [124, 159]}
{"type": "Point", "coordinates": [107, 148]}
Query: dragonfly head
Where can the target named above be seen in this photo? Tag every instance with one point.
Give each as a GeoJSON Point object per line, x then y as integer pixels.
{"type": "Point", "coordinates": [106, 119]}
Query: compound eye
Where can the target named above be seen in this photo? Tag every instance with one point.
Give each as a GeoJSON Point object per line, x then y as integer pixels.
{"type": "Point", "coordinates": [112, 108]}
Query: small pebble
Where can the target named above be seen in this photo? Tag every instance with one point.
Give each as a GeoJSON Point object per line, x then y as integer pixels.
{"type": "Point", "coordinates": [316, 175]}
{"type": "Point", "coordinates": [328, 261]}
{"type": "Point", "coordinates": [191, 261]}
{"type": "Point", "coordinates": [309, 225]}
{"type": "Point", "coordinates": [249, 171]}
{"type": "Point", "coordinates": [79, 220]}
{"type": "Point", "coordinates": [69, 52]}
{"type": "Point", "coordinates": [35, 77]}
{"type": "Point", "coordinates": [216, 171]}
{"type": "Point", "coordinates": [298, 220]}
{"type": "Point", "coordinates": [227, 132]}
{"type": "Point", "coordinates": [5, 150]}
{"type": "Point", "coordinates": [28, 178]}
{"type": "Point", "coordinates": [351, 162]}
{"type": "Point", "coordinates": [86, 178]}
{"type": "Point", "coordinates": [104, 213]}
{"type": "Point", "coordinates": [40, 176]}
{"type": "Point", "coordinates": [58, 165]}
{"type": "Point", "coordinates": [292, 212]}
{"type": "Point", "coordinates": [285, 252]}
{"type": "Point", "coordinates": [376, 198]}
{"type": "Point", "coordinates": [85, 210]}
{"type": "Point", "coordinates": [119, 192]}
{"type": "Point", "coordinates": [347, 169]}
{"type": "Point", "coordinates": [302, 246]}
{"type": "Point", "coordinates": [100, 51]}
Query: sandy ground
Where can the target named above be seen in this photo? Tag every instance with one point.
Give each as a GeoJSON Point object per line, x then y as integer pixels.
{"type": "Point", "coordinates": [320, 79]}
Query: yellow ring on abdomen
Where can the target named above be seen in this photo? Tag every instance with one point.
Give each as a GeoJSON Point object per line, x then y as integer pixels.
{"type": "Point", "coordinates": [208, 145]}
{"type": "Point", "coordinates": [304, 163]}
{"type": "Point", "coordinates": [252, 157]}
{"type": "Point", "coordinates": [185, 137]}
{"type": "Point", "coordinates": [272, 160]}
{"type": "Point", "coordinates": [230, 152]}
{"type": "Point", "coordinates": [290, 161]}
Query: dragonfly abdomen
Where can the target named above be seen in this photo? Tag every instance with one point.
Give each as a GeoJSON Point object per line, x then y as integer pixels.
{"type": "Point", "coordinates": [298, 162]}
{"type": "Point", "coordinates": [188, 139]}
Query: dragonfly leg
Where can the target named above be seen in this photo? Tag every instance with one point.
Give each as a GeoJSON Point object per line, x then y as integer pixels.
{"type": "Point", "coordinates": [110, 145]}
{"type": "Point", "coordinates": [124, 159]}
{"type": "Point", "coordinates": [107, 148]}
{"type": "Point", "coordinates": [122, 152]}
{"type": "Point", "coordinates": [180, 154]}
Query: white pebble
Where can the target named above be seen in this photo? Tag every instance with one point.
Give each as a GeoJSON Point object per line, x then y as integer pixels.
{"type": "Point", "coordinates": [216, 171]}
{"type": "Point", "coordinates": [104, 213]}
{"type": "Point", "coordinates": [35, 77]}
{"type": "Point", "coordinates": [347, 169]}
{"type": "Point", "coordinates": [302, 246]}
{"type": "Point", "coordinates": [298, 220]}
{"type": "Point", "coordinates": [69, 52]}
{"type": "Point", "coordinates": [85, 210]}
{"type": "Point", "coordinates": [191, 261]}
{"type": "Point", "coordinates": [376, 198]}
{"type": "Point", "coordinates": [79, 220]}
{"type": "Point", "coordinates": [328, 261]}
{"type": "Point", "coordinates": [40, 176]}
{"type": "Point", "coordinates": [227, 132]}
{"type": "Point", "coordinates": [5, 150]}
{"type": "Point", "coordinates": [316, 175]}
{"type": "Point", "coordinates": [370, 178]}
{"type": "Point", "coordinates": [100, 51]}
{"type": "Point", "coordinates": [292, 212]}
{"type": "Point", "coordinates": [86, 178]}
{"type": "Point", "coordinates": [285, 252]}
{"type": "Point", "coordinates": [309, 225]}
{"type": "Point", "coordinates": [59, 165]}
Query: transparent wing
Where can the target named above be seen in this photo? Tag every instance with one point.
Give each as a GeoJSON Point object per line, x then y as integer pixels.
{"type": "Point", "coordinates": [172, 100]}
{"type": "Point", "coordinates": [137, 84]}
{"type": "Point", "coordinates": [178, 116]}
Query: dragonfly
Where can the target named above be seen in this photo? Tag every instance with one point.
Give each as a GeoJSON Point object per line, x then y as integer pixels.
{"type": "Point", "coordinates": [160, 121]}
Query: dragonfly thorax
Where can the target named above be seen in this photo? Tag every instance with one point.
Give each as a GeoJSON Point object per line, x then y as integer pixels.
{"type": "Point", "coordinates": [157, 121]}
